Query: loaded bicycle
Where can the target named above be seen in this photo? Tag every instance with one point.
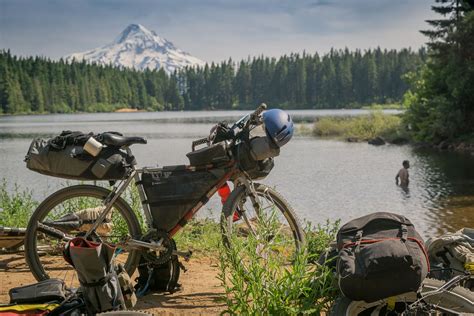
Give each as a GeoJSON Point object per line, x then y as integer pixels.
{"type": "Point", "coordinates": [227, 161]}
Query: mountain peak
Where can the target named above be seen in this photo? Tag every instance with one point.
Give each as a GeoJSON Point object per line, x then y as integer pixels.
{"type": "Point", "coordinates": [134, 30]}
{"type": "Point", "coordinates": [140, 48]}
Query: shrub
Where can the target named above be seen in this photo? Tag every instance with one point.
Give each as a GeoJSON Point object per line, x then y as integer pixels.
{"type": "Point", "coordinates": [362, 127]}
{"type": "Point", "coordinates": [16, 207]}
{"type": "Point", "coordinates": [262, 286]}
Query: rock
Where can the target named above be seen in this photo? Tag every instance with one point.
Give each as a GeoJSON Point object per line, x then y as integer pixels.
{"type": "Point", "coordinates": [377, 141]}
{"type": "Point", "coordinates": [352, 139]}
{"type": "Point", "coordinates": [400, 141]}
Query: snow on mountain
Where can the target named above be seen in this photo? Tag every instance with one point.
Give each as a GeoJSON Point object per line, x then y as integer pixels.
{"type": "Point", "coordinates": [139, 48]}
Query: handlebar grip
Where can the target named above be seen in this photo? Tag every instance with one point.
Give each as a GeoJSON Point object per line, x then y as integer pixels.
{"type": "Point", "coordinates": [260, 109]}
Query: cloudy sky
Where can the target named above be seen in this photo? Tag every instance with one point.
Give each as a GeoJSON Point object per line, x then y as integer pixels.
{"type": "Point", "coordinates": [214, 30]}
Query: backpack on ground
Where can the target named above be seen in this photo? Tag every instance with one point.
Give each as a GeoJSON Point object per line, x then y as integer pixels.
{"type": "Point", "coordinates": [158, 277]}
{"type": "Point", "coordinates": [380, 255]}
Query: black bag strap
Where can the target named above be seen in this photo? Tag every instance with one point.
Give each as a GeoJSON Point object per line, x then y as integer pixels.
{"type": "Point", "coordinates": [403, 232]}
{"type": "Point", "coordinates": [101, 282]}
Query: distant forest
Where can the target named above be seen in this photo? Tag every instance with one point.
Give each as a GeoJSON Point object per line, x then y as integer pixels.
{"type": "Point", "coordinates": [339, 79]}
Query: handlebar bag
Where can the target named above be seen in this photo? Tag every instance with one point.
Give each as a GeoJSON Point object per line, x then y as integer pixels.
{"type": "Point", "coordinates": [72, 162]}
{"type": "Point", "coordinates": [214, 154]}
{"type": "Point", "coordinates": [380, 255]}
{"type": "Point", "coordinates": [256, 169]}
{"type": "Point", "coordinates": [175, 190]}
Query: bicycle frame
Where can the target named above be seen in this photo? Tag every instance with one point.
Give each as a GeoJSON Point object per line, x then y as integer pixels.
{"type": "Point", "coordinates": [135, 175]}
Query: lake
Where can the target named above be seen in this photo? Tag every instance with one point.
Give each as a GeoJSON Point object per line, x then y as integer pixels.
{"type": "Point", "coordinates": [322, 179]}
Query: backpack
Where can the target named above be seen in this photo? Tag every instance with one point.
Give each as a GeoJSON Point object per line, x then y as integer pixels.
{"type": "Point", "coordinates": [380, 255]}
{"type": "Point", "coordinates": [158, 277]}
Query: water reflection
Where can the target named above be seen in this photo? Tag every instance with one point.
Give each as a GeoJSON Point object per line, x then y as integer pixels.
{"type": "Point", "coordinates": [447, 183]}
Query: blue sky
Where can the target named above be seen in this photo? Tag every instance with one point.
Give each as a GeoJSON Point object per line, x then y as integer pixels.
{"type": "Point", "coordinates": [214, 30]}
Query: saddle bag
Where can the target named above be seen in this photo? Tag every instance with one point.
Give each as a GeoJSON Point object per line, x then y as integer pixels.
{"type": "Point", "coordinates": [175, 190]}
{"type": "Point", "coordinates": [380, 255]}
{"type": "Point", "coordinates": [64, 157]}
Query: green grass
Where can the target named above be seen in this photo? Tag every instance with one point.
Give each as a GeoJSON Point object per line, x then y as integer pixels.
{"type": "Point", "coordinates": [16, 207]}
{"type": "Point", "coordinates": [362, 127]}
{"type": "Point", "coordinates": [262, 286]}
{"type": "Point", "coordinates": [202, 237]}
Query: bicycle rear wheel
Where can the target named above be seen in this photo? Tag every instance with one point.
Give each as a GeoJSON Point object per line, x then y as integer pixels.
{"type": "Point", "coordinates": [454, 302]}
{"type": "Point", "coordinates": [43, 249]}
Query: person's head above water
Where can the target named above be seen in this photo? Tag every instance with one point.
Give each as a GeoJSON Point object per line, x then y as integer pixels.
{"type": "Point", "coordinates": [406, 164]}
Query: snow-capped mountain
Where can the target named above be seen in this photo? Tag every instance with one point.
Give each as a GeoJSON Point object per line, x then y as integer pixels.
{"type": "Point", "coordinates": [139, 48]}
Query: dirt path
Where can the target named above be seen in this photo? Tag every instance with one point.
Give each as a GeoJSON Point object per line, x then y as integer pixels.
{"type": "Point", "coordinates": [201, 294]}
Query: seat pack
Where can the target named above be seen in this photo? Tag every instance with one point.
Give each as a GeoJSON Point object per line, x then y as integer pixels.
{"type": "Point", "coordinates": [64, 157]}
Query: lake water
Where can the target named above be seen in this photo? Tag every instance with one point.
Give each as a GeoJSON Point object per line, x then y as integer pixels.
{"type": "Point", "coordinates": [322, 179]}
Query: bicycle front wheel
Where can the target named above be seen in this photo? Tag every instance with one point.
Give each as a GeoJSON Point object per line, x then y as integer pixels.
{"type": "Point", "coordinates": [271, 225]}
{"type": "Point", "coordinates": [72, 211]}
{"type": "Point", "coordinates": [453, 302]}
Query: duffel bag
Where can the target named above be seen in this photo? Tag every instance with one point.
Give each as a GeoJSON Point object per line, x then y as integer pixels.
{"type": "Point", "coordinates": [174, 190]}
{"type": "Point", "coordinates": [70, 161]}
{"type": "Point", "coordinates": [380, 255]}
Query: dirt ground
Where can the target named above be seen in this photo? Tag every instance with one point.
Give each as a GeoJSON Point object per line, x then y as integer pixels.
{"type": "Point", "coordinates": [201, 293]}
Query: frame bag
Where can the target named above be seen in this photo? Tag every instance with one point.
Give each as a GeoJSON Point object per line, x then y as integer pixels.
{"type": "Point", "coordinates": [380, 255]}
{"type": "Point", "coordinates": [175, 190]}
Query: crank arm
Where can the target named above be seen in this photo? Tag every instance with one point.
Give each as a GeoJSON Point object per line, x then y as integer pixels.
{"type": "Point", "coordinates": [133, 243]}
{"type": "Point", "coordinates": [53, 232]}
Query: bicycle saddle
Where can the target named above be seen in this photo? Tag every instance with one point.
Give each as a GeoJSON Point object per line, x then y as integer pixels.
{"type": "Point", "coordinates": [115, 140]}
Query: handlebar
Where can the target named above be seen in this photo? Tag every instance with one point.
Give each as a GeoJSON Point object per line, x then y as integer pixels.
{"type": "Point", "coordinates": [244, 122]}
{"type": "Point", "coordinates": [262, 107]}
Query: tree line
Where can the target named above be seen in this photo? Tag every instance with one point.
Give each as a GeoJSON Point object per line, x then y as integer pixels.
{"type": "Point", "coordinates": [338, 79]}
{"type": "Point", "coordinates": [441, 98]}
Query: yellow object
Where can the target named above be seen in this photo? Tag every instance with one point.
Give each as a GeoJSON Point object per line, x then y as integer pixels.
{"type": "Point", "coordinates": [28, 307]}
{"type": "Point", "coordinates": [391, 303]}
{"type": "Point", "coordinates": [469, 266]}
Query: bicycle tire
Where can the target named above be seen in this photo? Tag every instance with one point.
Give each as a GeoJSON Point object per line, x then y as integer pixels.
{"type": "Point", "coordinates": [31, 253]}
{"type": "Point", "coordinates": [459, 300]}
{"type": "Point", "coordinates": [239, 193]}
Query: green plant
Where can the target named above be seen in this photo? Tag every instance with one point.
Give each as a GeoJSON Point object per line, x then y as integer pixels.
{"type": "Point", "coordinates": [363, 127]}
{"type": "Point", "coordinates": [15, 207]}
{"type": "Point", "coordinates": [263, 286]}
{"type": "Point", "coordinates": [202, 236]}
